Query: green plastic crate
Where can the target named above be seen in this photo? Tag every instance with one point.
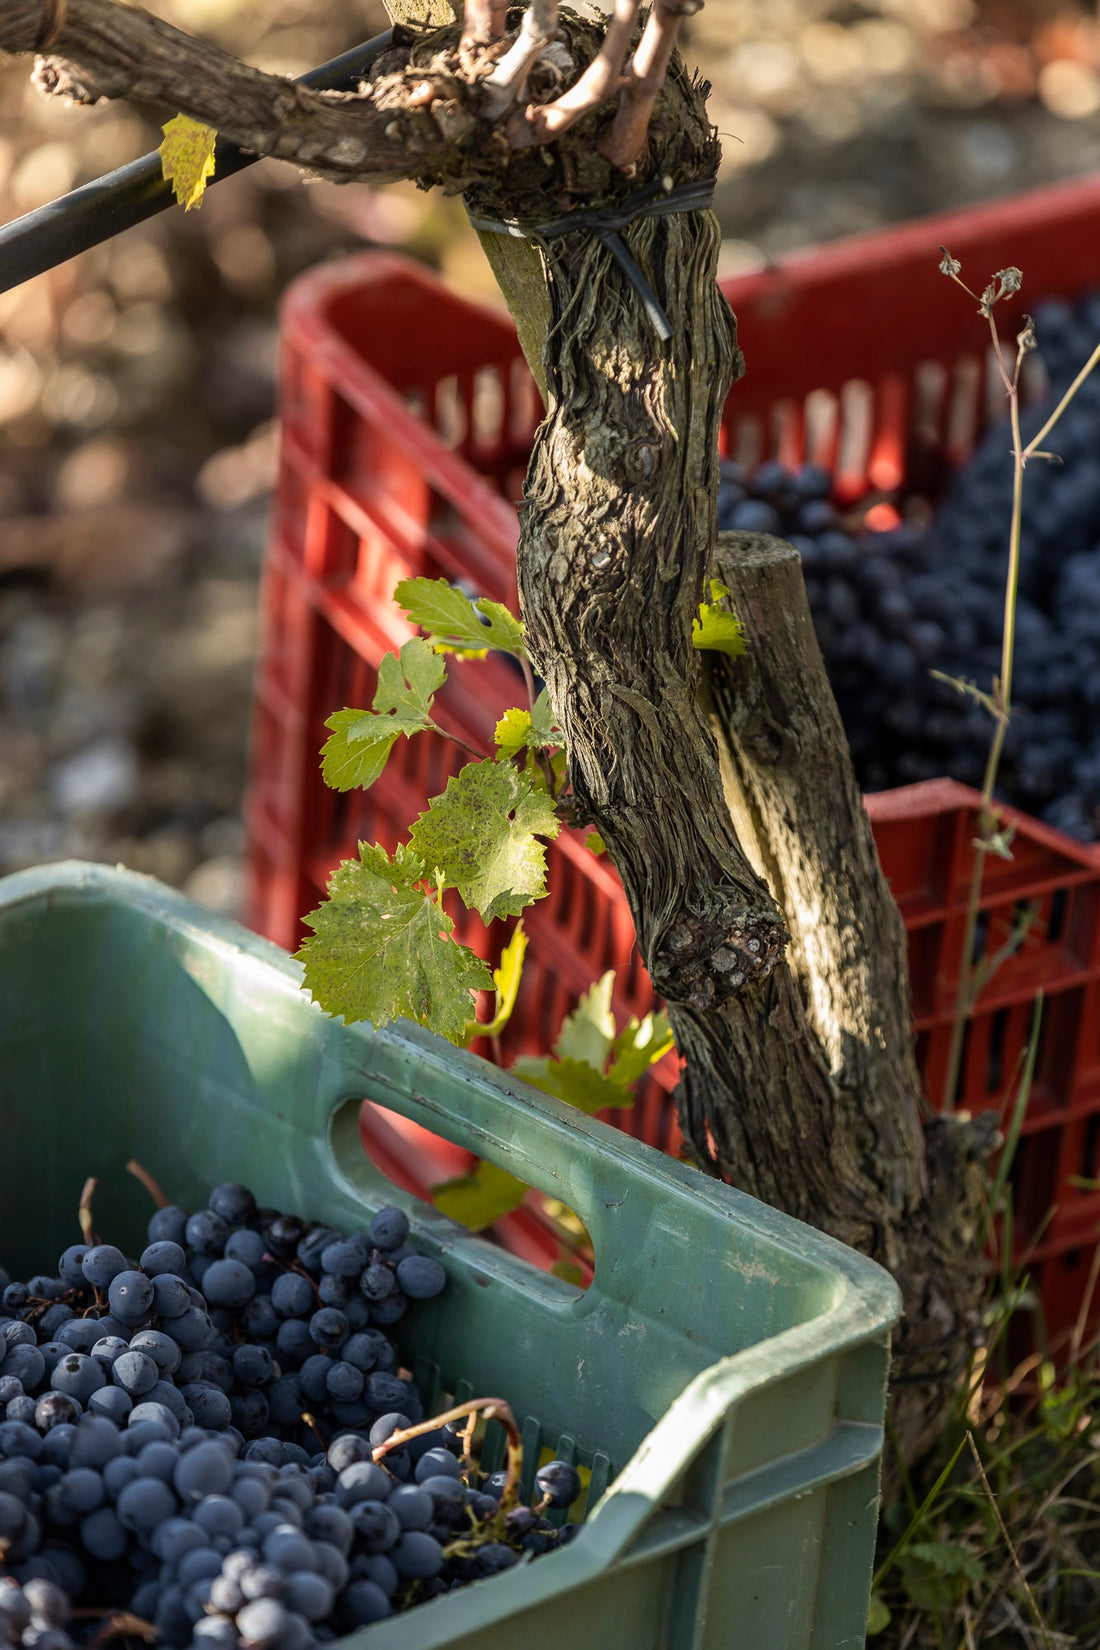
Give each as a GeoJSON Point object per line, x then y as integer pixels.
{"type": "Point", "coordinates": [724, 1375]}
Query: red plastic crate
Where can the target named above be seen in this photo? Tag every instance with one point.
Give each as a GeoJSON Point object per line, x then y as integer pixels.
{"type": "Point", "coordinates": [408, 414]}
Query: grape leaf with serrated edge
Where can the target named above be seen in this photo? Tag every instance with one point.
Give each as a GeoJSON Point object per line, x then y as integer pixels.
{"type": "Point", "coordinates": [453, 620]}
{"type": "Point", "coordinates": [381, 948]}
{"type": "Point", "coordinates": [574, 1081]}
{"type": "Point", "coordinates": [483, 835]}
{"type": "Point", "coordinates": [187, 158]}
{"type": "Point", "coordinates": [588, 1033]}
{"type": "Point", "coordinates": [361, 740]}
{"type": "Point", "coordinates": [353, 759]}
{"type": "Point", "coordinates": [715, 631]}
{"type": "Point", "coordinates": [408, 681]}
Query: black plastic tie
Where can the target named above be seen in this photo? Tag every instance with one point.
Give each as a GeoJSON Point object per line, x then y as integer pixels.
{"type": "Point", "coordinates": [657, 199]}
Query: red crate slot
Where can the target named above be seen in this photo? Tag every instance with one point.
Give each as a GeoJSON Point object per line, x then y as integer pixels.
{"type": "Point", "coordinates": [408, 413]}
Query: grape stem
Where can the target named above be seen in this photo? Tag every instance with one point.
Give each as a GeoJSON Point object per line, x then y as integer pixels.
{"type": "Point", "coordinates": [123, 1622]}
{"type": "Point", "coordinates": [493, 1409]}
{"type": "Point", "coordinates": [151, 1186]}
{"type": "Point", "coordinates": [88, 1231]}
{"type": "Point", "coordinates": [311, 1423]}
{"type": "Point", "coordinates": [456, 739]}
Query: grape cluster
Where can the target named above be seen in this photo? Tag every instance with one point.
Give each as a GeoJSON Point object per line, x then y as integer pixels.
{"type": "Point", "coordinates": [191, 1438]}
{"type": "Point", "coordinates": [890, 607]}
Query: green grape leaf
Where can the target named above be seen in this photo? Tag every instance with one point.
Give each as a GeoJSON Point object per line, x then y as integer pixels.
{"type": "Point", "coordinates": [568, 1271]}
{"type": "Point", "coordinates": [588, 1033]}
{"type": "Point", "coordinates": [595, 843]}
{"type": "Point", "coordinates": [639, 1045]}
{"type": "Point", "coordinates": [381, 948]}
{"type": "Point", "coordinates": [544, 729]}
{"type": "Point", "coordinates": [593, 1066]}
{"type": "Point", "coordinates": [362, 739]}
{"type": "Point", "coordinates": [714, 630]}
{"type": "Point", "coordinates": [187, 158]}
{"type": "Point", "coordinates": [356, 753]}
{"type": "Point", "coordinates": [573, 1081]}
{"type": "Point", "coordinates": [483, 834]}
{"type": "Point", "coordinates": [456, 623]}
{"type": "Point", "coordinates": [407, 683]}
{"type": "Point", "coordinates": [878, 1616]}
{"type": "Point", "coordinates": [506, 980]}
{"type": "Point", "coordinates": [479, 1198]}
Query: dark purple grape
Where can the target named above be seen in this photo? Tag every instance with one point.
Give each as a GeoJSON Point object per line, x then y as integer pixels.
{"type": "Point", "coordinates": [421, 1277]}
{"type": "Point", "coordinates": [416, 1557]}
{"type": "Point", "coordinates": [389, 1228]}
{"type": "Point", "coordinates": [362, 1604]}
{"type": "Point", "coordinates": [206, 1233]}
{"type": "Point", "coordinates": [753, 515]}
{"type": "Point", "coordinates": [232, 1203]}
{"type": "Point", "coordinates": [329, 1328]}
{"type": "Point", "coordinates": [292, 1296]}
{"type": "Point", "coordinates": [558, 1483]}
{"type": "Point", "coordinates": [228, 1283]}
{"type": "Point", "coordinates": [103, 1263]}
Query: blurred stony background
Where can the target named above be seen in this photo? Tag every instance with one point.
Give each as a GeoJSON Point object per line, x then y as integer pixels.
{"type": "Point", "coordinates": [137, 382]}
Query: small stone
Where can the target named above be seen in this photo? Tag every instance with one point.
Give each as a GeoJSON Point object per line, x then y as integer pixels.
{"type": "Point", "coordinates": [102, 778]}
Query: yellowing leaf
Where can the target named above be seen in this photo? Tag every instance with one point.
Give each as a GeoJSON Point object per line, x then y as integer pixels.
{"type": "Point", "coordinates": [532, 730]}
{"type": "Point", "coordinates": [513, 733]}
{"type": "Point", "coordinates": [506, 979]}
{"type": "Point", "coordinates": [187, 158]}
{"type": "Point", "coordinates": [638, 1046]}
{"type": "Point", "coordinates": [714, 630]}
{"type": "Point", "coordinates": [594, 1067]}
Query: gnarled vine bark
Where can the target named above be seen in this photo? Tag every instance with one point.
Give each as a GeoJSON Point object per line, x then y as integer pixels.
{"type": "Point", "coordinates": [729, 807]}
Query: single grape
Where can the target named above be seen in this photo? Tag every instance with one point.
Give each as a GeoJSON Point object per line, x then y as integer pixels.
{"type": "Point", "coordinates": [416, 1557]}
{"type": "Point", "coordinates": [232, 1203]}
{"type": "Point", "coordinates": [292, 1296]}
{"type": "Point", "coordinates": [144, 1503]}
{"type": "Point", "coordinates": [135, 1372]}
{"type": "Point", "coordinates": [228, 1283]}
{"type": "Point", "coordinates": [78, 1375]}
{"type": "Point", "coordinates": [421, 1277]}
{"type": "Point", "coordinates": [101, 1264]}
{"type": "Point", "coordinates": [558, 1483]}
